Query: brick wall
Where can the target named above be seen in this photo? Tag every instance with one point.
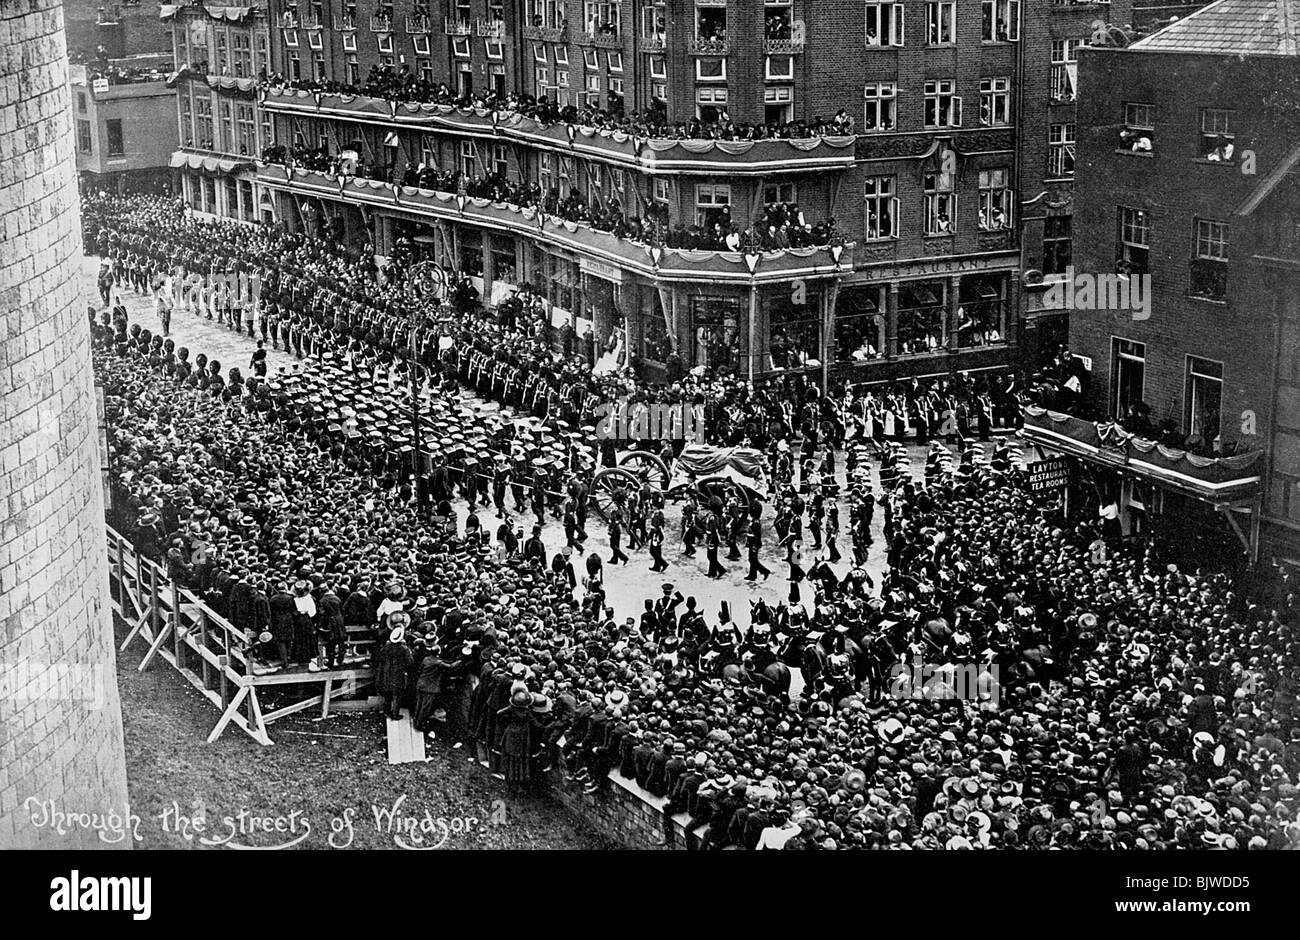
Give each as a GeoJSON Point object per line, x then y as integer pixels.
{"type": "Point", "coordinates": [53, 578]}
{"type": "Point", "coordinates": [625, 814]}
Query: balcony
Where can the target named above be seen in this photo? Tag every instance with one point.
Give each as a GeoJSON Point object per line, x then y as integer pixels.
{"type": "Point", "coordinates": [655, 42]}
{"type": "Point", "coordinates": [490, 29]}
{"type": "Point", "coordinates": [701, 46]}
{"type": "Point", "coordinates": [419, 24]}
{"type": "Point", "coordinates": [681, 265]}
{"type": "Point", "coordinates": [1212, 479]}
{"type": "Point", "coordinates": [457, 27]}
{"type": "Point", "coordinates": [311, 20]}
{"type": "Point", "coordinates": [704, 157]}
{"type": "Point", "coordinates": [345, 22]}
{"type": "Point", "coordinates": [782, 47]}
{"type": "Point", "coordinates": [289, 20]}
{"type": "Point", "coordinates": [381, 24]}
{"type": "Point", "coordinates": [600, 40]}
{"type": "Point", "coordinates": [546, 33]}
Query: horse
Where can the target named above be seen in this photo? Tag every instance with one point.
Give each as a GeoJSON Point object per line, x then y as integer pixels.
{"type": "Point", "coordinates": [774, 678]}
{"type": "Point", "coordinates": [817, 651]}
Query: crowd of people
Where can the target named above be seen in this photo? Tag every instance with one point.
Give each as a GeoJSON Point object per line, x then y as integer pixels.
{"type": "Point", "coordinates": [401, 84]}
{"type": "Point", "coordinates": [1117, 701]}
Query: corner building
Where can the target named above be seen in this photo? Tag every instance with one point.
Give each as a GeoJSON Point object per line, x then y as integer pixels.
{"type": "Point", "coordinates": [923, 278]}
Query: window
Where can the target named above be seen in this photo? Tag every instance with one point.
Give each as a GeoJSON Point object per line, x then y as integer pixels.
{"type": "Point", "coordinates": [1210, 259]}
{"type": "Point", "coordinates": [979, 310]}
{"type": "Point", "coordinates": [561, 56]}
{"type": "Point", "coordinates": [1139, 122]}
{"type": "Point", "coordinates": [460, 47]}
{"type": "Point", "coordinates": [939, 21]}
{"type": "Point", "coordinates": [712, 203]}
{"type": "Point", "coordinates": [227, 113]}
{"type": "Point", "coordinates": [84, 144]}
{"type": "Point", "coordinates": [354, 68]}
{"type": "Point", "coordinates": [423, 68]}
{"type": "Point", "coordinates": [186, 119]}
{"type": "Point", "coordinates": [223, 52]}
{"type": "Point", "coordinates": [778, 105]}
{"type": "Point", "coordinates": [659, 91]}
{"type": "Point", "coordinates": [468, 158]}
{"type": "Point", "coordinates": [590, 61]}
{"type": "Point", "coordinates": [922, 316]}
{"type": "Point", "coordinates": [295, 65]}
{"type": "Point", "coordinates": [995, 102]}
{"type": "Point", "coordinates": [1204, 398]}
{"type": "Point", "coordinates": [421, 43]}
{"type": "Point", "coordinates": [658, 67]}
{"type": "Point", "coordinates": [494, 49]}
{"type": "Point", "coordinates": [654, 21]}
{"type": "Point", "coordinates": [778, 192]}
{"type": "Point", "coordinates": [243, 55]}
{"type": "Point", "coordinates": [291, 38]}
{"type": "Point", "coordinates": [318, 66]}
{"type": "Point", "coordinates": [1133, 252]}
{"type": "Point", "coordinates": [881, 207]}
{"type": "Point", "coordinates": [314, 40]}
{"type": "Point", "coordinates": [710, 21]}
{"type": "Point", "coordinates": [500, 163]}
{"type": "Point", "coordinates": [663, 190]}
{"type": "Point", "coordinates": [995, 201]}
{"type": "Point", "coordinates": [1060, 150]}
{"type": "Point", "coordinates": [245, 129]}
{"type": "Point", "coordinates": [602, 18]}
{"type": "Point", "coordinates": [1057, 244]}
{"type": "Point", "coordinates": [116, 143]}
{"type": "Point", "coordinates": [203, 132]}
{"type": "Point", "coordinates": [884, 24]}
{"type": "Point", "coordinates": [860, 323]}
{"type": "Point", "coordinates": [548, 14]}
{"type": "Point", "coordinates": [1128, 375]}
{"type": "Point", "coordinates": [942, 107]}
{"type": "Point", "coordinates": [1065, 69]}
{"type": "Point", "coordinates": [81, 102]}
{"type": "Point", "coordinates": [710, 70]}
{"type": "Point", "coordinates": [716, 335]}
{"type": "Point", "coordinates": [709, 102]}
{"type": "Point", "coordinates": [616, 95]}
{"type": "Point", "coordinates": [1001, 21]}
{"type": "Point", "coordinates": [939, 203]}
{"type": "Point", "coordinates": [350, 42]}
{"type": "Point", "coordinates": [779, 68]}
{"type": "Point", "coordinates": [1217, 140]}
{"type": "Point", "coordinates": [615, 61]}
{"type": "Point", "coordinates": [880, 108]}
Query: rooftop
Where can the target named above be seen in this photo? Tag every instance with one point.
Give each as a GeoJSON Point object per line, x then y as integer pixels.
{"type": "Point", "coordinates": [1233, 27]}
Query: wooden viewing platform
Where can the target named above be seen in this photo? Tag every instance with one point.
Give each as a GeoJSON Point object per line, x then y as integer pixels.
{"type": "Point", "coordinates": [213, 656]}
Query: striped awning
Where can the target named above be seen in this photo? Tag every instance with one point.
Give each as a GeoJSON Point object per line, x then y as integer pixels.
{"type": "Point", "coordinates": [207, 163]}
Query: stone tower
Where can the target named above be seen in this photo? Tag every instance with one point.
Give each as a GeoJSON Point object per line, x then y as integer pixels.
{"type": "Point", "coordinates": [60, 720]}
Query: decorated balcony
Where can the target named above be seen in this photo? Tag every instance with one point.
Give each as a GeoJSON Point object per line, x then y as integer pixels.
{"type": "Point", "coordinates": [1214, 479]}
{"type": "Point", "coordinates": [545, 33]}
{"type": "Point", "coordinates": [732, 157]}
{"type": "Point", "coordinates": [668, 264]}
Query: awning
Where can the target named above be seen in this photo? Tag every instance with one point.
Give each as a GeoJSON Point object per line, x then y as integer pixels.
{"type": "Point", "coordinates": [1215, 480]}
{"type": "Point", "coordinates": [208, 164]}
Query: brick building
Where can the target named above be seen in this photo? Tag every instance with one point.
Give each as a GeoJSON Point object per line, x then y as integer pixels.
{"type": "Point", "coordinates": [923, 194]}
{"type": "Point", "coordinates": [220, 52]}
{"type": "Point", "coordinates": [60, 721]}
{"type": "Point", "coordinates": [1187, 188]}
{"type": "Point", "coordinates": [123, 114]}
{"type": "Point", "coordinates": [120, 27]}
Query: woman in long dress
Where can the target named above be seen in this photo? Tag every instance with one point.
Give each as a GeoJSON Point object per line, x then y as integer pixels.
{"type": "Point", "coordinates": [514, 744]}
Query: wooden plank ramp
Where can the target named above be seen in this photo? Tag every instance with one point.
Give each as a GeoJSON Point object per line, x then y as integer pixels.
{"type": "Point", "coordinates": [405, 744]}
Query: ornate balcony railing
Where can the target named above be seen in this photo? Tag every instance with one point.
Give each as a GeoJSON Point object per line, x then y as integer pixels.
{"type": "Point", "coordinates": [381, 24]}
{"type": "Point", "coordinates": [419, 24]}
{"type": "Point", "coordinates": [289, 20]}
{"type": "Point", "coordinates": [490, 29]}
{"type": "Point", "coordinates": [457, 27]}
{"type": "Point", "coordinates": [545, 33]}
{"type": "Point", "coordinates": [656, 42]}
{"type": "Point", "coordinates": [782, 47]}
{"type": "Point", "coordinates": [702, 46]}
{"type": "Point", "coordinates": [344, 22]}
